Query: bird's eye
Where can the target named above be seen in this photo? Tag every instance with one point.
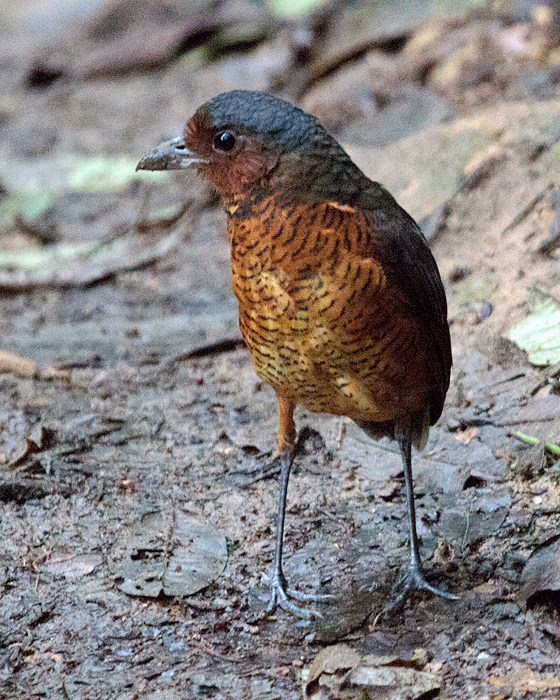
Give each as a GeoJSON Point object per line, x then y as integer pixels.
{"type": "Point", "coordinates": [224, 141]}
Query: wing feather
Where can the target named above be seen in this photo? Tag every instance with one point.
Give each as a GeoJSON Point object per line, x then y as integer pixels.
{"type": "Point", "coordinates": [409, 264]}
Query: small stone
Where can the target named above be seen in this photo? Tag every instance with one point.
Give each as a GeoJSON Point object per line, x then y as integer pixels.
{"type": "Point", "coordinates": [434, 667]}
{"type": "Point", "coordinates": [505, 611]}
{"type": "Point", "coordinates": [420, 657]}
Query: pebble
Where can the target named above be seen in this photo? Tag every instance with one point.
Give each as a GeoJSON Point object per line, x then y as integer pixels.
{"type": "Point", "coordinates": [453, 424]}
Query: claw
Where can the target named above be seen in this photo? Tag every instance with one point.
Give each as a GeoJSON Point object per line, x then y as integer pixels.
{"type": "Point", "coordinates": [309, 597]}
{"type": "Point", "coordinates": [414, 581]}
{"type": "Point", "coordinates": [280, 596]}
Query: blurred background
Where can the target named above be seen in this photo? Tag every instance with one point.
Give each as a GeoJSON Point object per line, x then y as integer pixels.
{"type": "Point", "coordinates": [125, 389]}
{"type": "Point", "coordinates": [88, 87]}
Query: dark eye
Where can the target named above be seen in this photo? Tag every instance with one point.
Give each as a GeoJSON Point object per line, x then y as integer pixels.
{"type": "Point", "coordinates": [224, 141]}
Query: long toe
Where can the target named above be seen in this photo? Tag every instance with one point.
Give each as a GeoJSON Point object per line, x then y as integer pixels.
{"type": "Point", "coordinates": [309, 597]}
{"type": "Point", "coordinates": [414, 581]}
{"type": "Point", "coordinates": [280, 596]}
{"type": "Point", "coordinates": [279, 599]}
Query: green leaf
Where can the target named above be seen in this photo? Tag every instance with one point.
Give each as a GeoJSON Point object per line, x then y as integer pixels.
{"type": "Point", "coordinates": [27, 205]}
{"type": "Point", "coordinates": [102, 174]}
{"type": "Point", "coordinates": [34, 185]}
{"type": "Point", "coordinates": [539, 333]}
{"type": "Point", "coordinates": [291, 8]}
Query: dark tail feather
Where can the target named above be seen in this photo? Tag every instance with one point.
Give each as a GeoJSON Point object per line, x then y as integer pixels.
{"type": "Point", "coordinates": [419, 423]}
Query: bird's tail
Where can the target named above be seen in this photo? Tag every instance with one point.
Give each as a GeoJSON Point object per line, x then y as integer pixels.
{"type": "Point", "coordinates": [419, 427]}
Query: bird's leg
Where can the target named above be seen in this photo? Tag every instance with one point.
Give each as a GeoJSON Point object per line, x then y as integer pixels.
{"type": "Point", "coordinates": [414, 576]}
{"type": "Point", "coordinates": [280, 594]}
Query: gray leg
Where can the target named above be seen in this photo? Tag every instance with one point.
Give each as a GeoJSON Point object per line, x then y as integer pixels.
{"type": "Point", "coordinates": [414, 576]}
{"type": "Point", "coordinates": [279, 591]}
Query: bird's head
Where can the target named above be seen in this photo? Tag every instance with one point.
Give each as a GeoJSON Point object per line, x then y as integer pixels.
{"type": "Point", "coordinates": [242, 139]}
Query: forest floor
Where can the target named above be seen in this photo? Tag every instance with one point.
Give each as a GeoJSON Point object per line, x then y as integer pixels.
{"type": "Point", "coordinates": [133, 426]}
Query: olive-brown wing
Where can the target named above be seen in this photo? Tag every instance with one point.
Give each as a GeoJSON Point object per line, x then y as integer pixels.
{"type": "Point", "coordinates": [413, 274]}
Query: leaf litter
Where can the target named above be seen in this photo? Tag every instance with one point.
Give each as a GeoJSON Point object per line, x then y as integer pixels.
{"type": "Point", "coordinates": [174, 555]}
{"type": "Point", "coordinates": [141, 444]}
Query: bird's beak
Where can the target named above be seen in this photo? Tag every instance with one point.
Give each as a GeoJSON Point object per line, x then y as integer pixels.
{"type": "Point", "coordinates": [170, 155]}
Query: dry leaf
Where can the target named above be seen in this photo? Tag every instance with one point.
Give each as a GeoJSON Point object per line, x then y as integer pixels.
{"type": "Point", "coordinates": [465, 436]}
{"type": "Point", "coordinates": [339, 673]}
{"type": "Point", "coordinates": [174, 554]}
{"type": "Point", "coordinates": [542, 570]}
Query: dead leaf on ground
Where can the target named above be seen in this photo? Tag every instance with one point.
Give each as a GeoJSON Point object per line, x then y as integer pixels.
{"type": "Point", "coordinates": [19, 435]}
{"type": "Point", "coordinates": [348, 612]}
{"type": "Point", "coordinates": [465, 436]}
{"type": "Point", "coordinates": [527, 681]}
{"type": "Point", "coordinates": [174, 554]}
{"type": "Point", "coordinates": [542, 570]}
{"type": "Point", "coordinates": [340, 673]}
{"type": "Point", "coordinates": [75, 566]}
{"type": "Point", "coordinates": [469, 521]}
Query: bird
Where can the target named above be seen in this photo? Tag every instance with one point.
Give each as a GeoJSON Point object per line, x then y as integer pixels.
{"type": "Point", "coordinates": [341, 303]}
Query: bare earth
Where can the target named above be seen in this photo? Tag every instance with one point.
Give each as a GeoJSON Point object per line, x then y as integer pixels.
{"type": "Point", "coordinates": [142, 416]}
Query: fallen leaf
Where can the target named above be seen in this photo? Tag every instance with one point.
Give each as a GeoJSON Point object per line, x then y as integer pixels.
{"type": "Point", "coordinates": [331, 661]}
{"type": "Point", "coordinates": [470, 521]}
{"type": "Point", "coordinates": [539, 333]}
{"type": "Point", "coordinates": [75, 566]}
{"type": "Point", "coordinates": [527, 681]}
{"type": "Point", "coordinates": [542, 570]}
{"type": "Point", "coordinates": [465, 436]}
{"type": "Point", "coordinates": [174, 554]}
{"type": "Point", "coordinates": [19, 435]}
{"type": "Point", "coordinates": [339, 673]}
{"type": "Point", "coordinates": [39, 656]}
{"type": "Point", "coordinates": [390, 683]}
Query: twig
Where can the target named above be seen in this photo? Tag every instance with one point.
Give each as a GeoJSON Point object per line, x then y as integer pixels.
{"type": "Point", "coordinates": [43, 234]}
{"type": "Point", "coordinates": [23, 367]}
{"type": "Point", "coordinates": [64, 691]}
{"type": "Point", "coordinates": [527, 209]}
{"type": "Point", "coordinates": [530, 440]}
{"type": "Point", "coordinates": [146, 225]}
{"type": "Point", "coordinates": [83, 264]}
{"type": "Point", "coordinates": [526, 421]}
{"type": "Point", "coordinates": [20, 366]}
{"type": "Point", "coordinates": [548, 374]}
{"type": "Point", "coordinates": [225, 345]}
{"type": "Point", "coordinates": [549, 245]}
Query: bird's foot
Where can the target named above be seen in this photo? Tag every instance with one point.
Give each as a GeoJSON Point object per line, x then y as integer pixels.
{"type": "Point", "coordinates": [257, 471]}
{"type": "Point", "coordinates": [280, 596]}
{"type": "Point", "coordinates": [414, 581]}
